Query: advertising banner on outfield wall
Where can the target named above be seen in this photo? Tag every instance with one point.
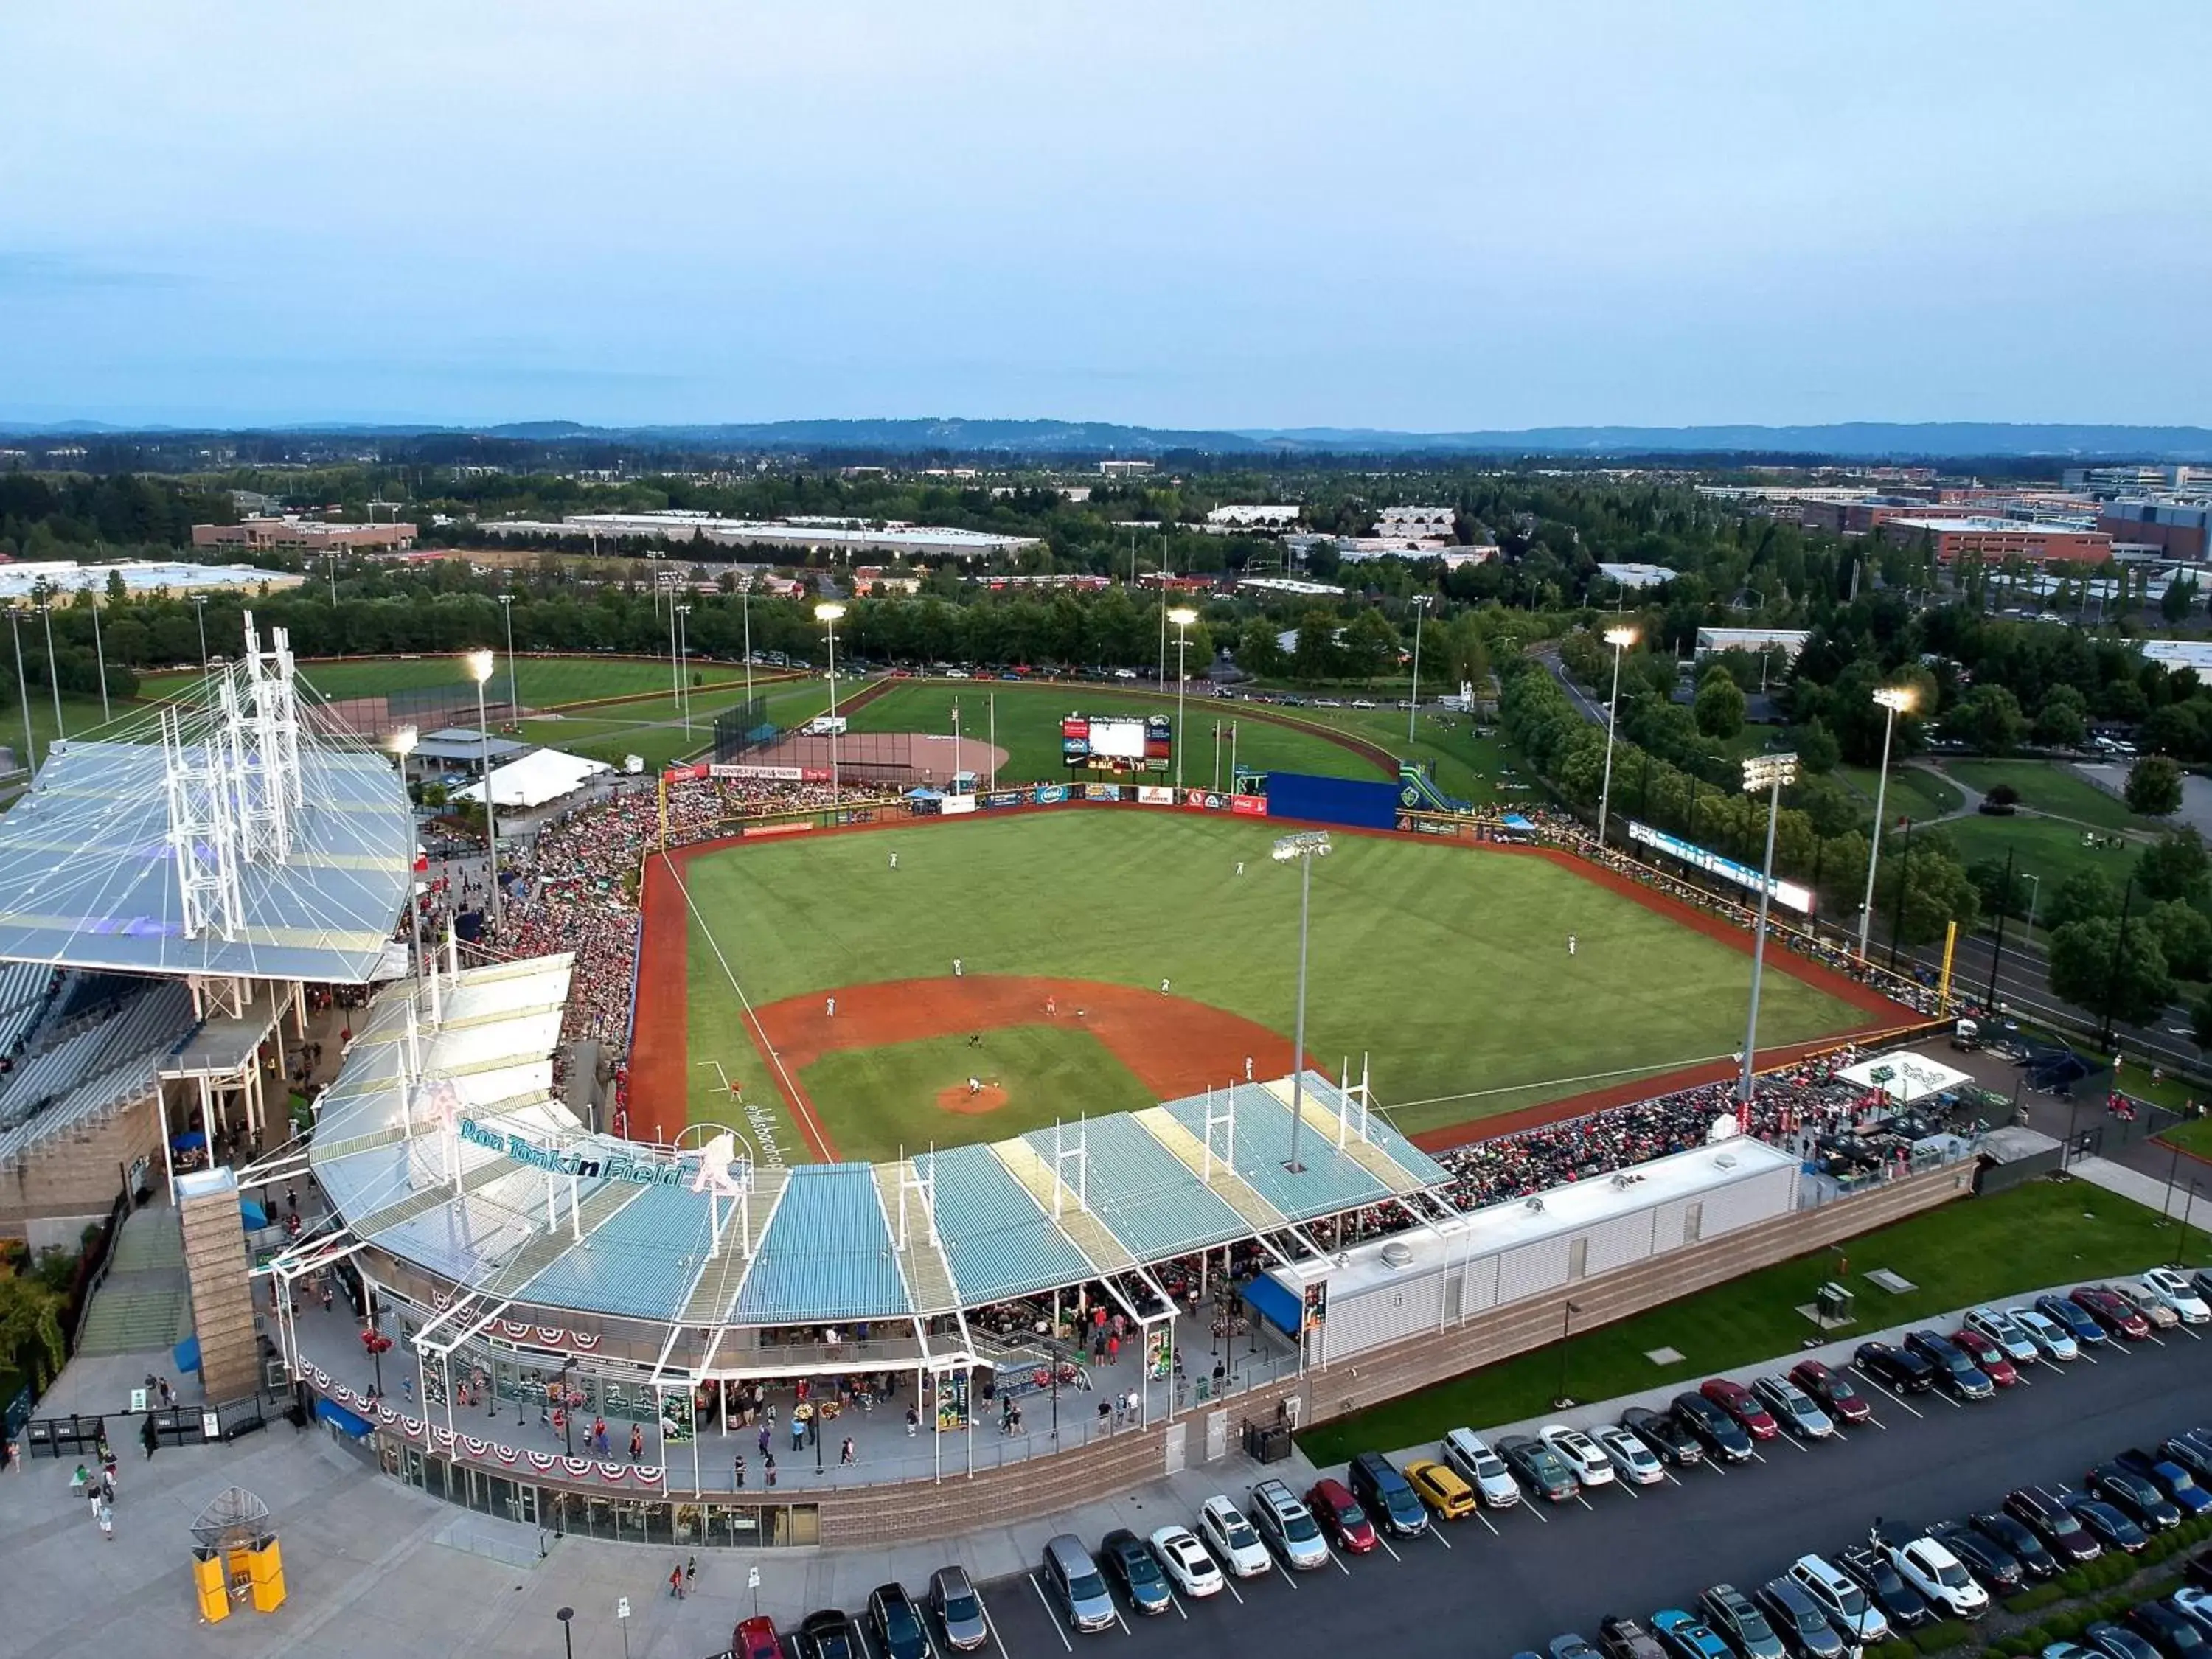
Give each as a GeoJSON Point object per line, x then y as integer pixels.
{"type": "Point", "coordinates": [1788, 893]}
{"type": "Point", "coordinates": [1050, 795]}
{"type": "Point", "coordinates": [953, 806]}
{"type": "Point", "coordinates": [1248, 806]}
{"type": "Point", "coordinates": [1149, 794]}
{"type": "Point", "coordinates": [1002, 798]}
{"type": "Point", "coordinates": [773, 774]}
{"type": "Point", "coordinates": [1102, 792]}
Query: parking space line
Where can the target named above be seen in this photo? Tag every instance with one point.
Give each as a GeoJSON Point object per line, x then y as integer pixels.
{"type": "Point", "coordinates": [1758, 1456]}
{"type": "Point", "coordinates": [1714, 1464]}
{"type": "Point", "coordinates": [1487, 1522]}
{"type": "Point", "coordinates": [1175, 1599]}
{"type": "Point", "coordinates": [1338, 1560]}
{"type": "Point", "coordinates": [1668, 1475]}
{"type": "Point", "coordinates": [1438, 1535]}
{"type": "Point", "coordinates": [2155, 1337]}
{"type": "Point", "coordinates": [1122, 1622]}
{"type": "Point", "coordinates": [990, 1625]}
{"type": "Point", "coordinates": [1051, 1618]}
{"type": "Point", "coordinates": [1290, 1578]}
{"type": "Point", "coordinates": [1385, 1543]}
{"type": "Point", "coordinates": [1584, 1502]}
{"type": "Point", "coordinates": [1791, 1440]}
{"type": "Point", "coordinates": [1230, 1584]}
{"type": "Point", "coordinates": [1630, 1490]}
{"type": "Point", "coordinates": [1537, 1512]}
{"type": "Point", "coordinates": [2193, 1335]}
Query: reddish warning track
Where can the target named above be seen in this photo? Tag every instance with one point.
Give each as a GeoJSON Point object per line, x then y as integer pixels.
{"type": "Point", "coordinates": [1174, 1046]}
{"type": "Point", "coordinates": [1177, 1046]}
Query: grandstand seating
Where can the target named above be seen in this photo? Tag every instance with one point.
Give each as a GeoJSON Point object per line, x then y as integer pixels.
{"type": "Point", "coordinates": [92, 1044]}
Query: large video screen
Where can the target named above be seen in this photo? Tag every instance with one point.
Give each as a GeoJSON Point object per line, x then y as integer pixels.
{"type": "Point", "coordinates": [1117, 743]}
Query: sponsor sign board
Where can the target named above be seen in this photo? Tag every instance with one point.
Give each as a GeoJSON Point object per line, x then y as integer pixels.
{"type": "Point", "coordinates": [1786, 893]}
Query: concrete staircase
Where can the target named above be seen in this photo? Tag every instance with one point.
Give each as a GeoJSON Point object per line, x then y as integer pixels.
{"type": "Point", "coordinates": [145, 1304]}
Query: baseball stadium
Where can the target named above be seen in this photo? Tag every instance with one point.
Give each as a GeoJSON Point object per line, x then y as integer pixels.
{"type": "Point", "coordinates": [849, 1134]}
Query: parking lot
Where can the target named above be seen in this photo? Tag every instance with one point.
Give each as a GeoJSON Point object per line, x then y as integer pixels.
{"type": "Point", "coordinates": [1504, 1581]}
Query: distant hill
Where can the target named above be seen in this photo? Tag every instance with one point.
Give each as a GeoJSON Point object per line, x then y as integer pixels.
{"type": "Point", "coordinates": [960, 435]}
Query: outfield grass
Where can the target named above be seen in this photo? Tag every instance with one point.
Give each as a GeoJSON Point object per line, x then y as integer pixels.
{"type": "Point", "coordinates": [2051, 788]}
{"type": "Point", "coordinates": [1029, 719]}
{"type": "Point", "coordinates": [544, 681]}
{"type": "Point", "coordinates": [877, 1103]}
{"type": "Point", "coordinates": [1448, 965]}
{"type": "Point", "coordinates": [654, 728]}
{"type": "Point", "coordinates": [1974, 1250]}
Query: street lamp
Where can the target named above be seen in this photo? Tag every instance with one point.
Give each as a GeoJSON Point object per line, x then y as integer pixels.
{"type": "Point", "coordinates": [1421, 602]}
{"type": "Point", "coordinates": [1301, 848]}
{"type": "Point", "coordinates": [567, 1641]}
{"type": "Point", "coordinates": [1895, 700]}
{"type": "Point", "coordinates": [1769, 773]}
{"type": "Point", "coordinates": [1182, 616]}
{"type": "Point", "coordinates": [827, 614]}
{"type": "Point", "coordinates": [53, 669]}
{"type": "Point", "coordinates": [199, 605]}
{"type": "Point", "coordinates": [1619, 639]}
{"type": "Point", "coordinates": [403, 742]}
{"type": "Point", "coordinates": [2034, 899]}
{"type": "Point", "coordinates": [481, 664]}
{"type": "Point", "coordinates": [23, 693]}
{"type": "Point", "coordinates": [683, 678]}
{"type": "Point", "coordinates": [514, 689]}
{"type": "Point", "coordinates": [99, 656]}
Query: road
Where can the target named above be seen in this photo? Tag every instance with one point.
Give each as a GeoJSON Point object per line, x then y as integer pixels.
{"type": "Point", "coordinates": [1508, 1582]}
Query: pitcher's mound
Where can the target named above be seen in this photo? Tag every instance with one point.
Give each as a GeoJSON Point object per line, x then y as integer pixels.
{"type": "Point", "coordinates": [960, 1098]}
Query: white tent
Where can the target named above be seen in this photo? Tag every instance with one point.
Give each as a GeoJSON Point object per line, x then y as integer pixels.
{"type": "Point", "coordinates": [1905, 1077]}
{"type": "Point", "coordinates": [535, 779]}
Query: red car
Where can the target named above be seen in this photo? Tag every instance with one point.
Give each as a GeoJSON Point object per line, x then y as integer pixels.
{"type": "Point", "coordinates": [2108, 1311]}
{"type": "Point", "coordinates": [1341, 1517]}
{"type": "Point", "coordinates": [1985, 1353]}
{"type": "Point", "coordinates": [756, 1638]}
{"type": "Point", "coordinates": [1832, 1391]}
{"type": "Point", "coordinates": [1742, 1404]}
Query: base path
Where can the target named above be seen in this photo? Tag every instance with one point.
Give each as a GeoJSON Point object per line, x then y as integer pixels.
{"type": "Point", "coordinates": [1175, 1047]}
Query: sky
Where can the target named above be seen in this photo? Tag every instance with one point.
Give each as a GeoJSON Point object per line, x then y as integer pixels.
{"type": "Point", "coordinates": [1428, 217]}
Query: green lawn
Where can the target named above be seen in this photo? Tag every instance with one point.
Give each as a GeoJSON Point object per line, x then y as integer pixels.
{"type": "Point", "coordinates": [1972, 1250]}
{"type": "Point", "coordinates": [80, 718]}
{"type": "Point", "coordinates": [1914, 793]}
{"type": "Point", "coordinates": [1029, 719]}
{"type": "Point", "coordinates": [2047, 849]}
{"type": "Point", "coordinates": [1449, 966]}
{"type": "Point", "coordinates": [545, 681]}
{"type": "Point", "coordinates": [2194, 1136]}
{"type": "Point", "coordinates": [2049, 787]}
{"type": "Point", "coordinates": [1468, 765]}
{"type": "Point", "coordinates": [655, 729]}
{"type": "Point", "coordinates": [876, 1102]}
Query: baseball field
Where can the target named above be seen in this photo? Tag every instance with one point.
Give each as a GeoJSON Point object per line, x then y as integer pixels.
{"type": "Point", "coordinates": [1005, 972]}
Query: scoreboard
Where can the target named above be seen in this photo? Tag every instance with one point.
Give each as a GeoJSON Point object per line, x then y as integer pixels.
{"type": "Point", "coordinates": [1117, 743]}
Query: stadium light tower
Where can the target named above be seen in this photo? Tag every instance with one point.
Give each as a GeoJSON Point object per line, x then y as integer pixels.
{"type": "Point", "coordinates": [53, 668]}
{"type": "Point", "coordinates": [1895, 700]}
{"type": "Point", "coordinates": [1619, 639]}
{"type": "Point", "coordinates": [1770, 773]}
{"type": "Point", "coordinates": [1182, 616]}
{"type": "Point", "coordinates": [403, 742]}
{"type": "Point", "coordinates": [199, 605]}
{"type": "Point", "coordinates": [682, 661]}
{"type": "Point", "coordinates": [23, 693]}
{"type": "Point", "coordinates": [1302, 848]}
{"type": "Point", "coordinates": [1421, 603]}
{"type": "Point", "coordinates": [513, 688]}
{"type": "Point", "coordinates": [481, 664]}
{"type": "Point", "coordinates": [827, 614]}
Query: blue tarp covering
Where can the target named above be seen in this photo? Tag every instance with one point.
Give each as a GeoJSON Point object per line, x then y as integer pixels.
{"type": "Point", "coordinates": [330, 1412]}
{"type": "Point", "coordinates": [1351, 801]}
{"type": "Point", "coordinates": [253, 1214]}
{"type": "Point", "coordinates": [1276, 1303]}
{"type": "Point", "coordinates": [185, 1355]}
{"type": "Point", "coordinates": [1515, 821]}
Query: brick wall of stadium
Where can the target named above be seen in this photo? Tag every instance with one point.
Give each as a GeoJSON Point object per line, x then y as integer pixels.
{"type": "Point", "coordinates": [1041, 1486]}
{"type": "Point", "coordinates": [75, 1176]}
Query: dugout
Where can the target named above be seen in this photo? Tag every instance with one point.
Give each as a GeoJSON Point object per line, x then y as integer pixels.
{"type": "Point", "coordinates": [1353, 802]}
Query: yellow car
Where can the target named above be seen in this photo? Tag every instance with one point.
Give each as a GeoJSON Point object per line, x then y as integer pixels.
{"type": "Point", "coordinates": [1442, 1490]}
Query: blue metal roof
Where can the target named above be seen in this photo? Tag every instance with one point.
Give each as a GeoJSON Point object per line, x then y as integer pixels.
{"type": "Point", "coordinates": [998, 1243]}
{"type": "Point", "coordinates": [641, 1260]}
{"type": "Point", "coordinates": [827, 1254]}
{"type": "Point", "coordinates": [1329, 1183]}
{"type": "Point", "coordinates": [1142, 1193]}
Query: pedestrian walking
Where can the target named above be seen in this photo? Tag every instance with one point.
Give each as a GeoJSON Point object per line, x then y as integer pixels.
{"type": "Point", "coordinates": [676, 1583]}
{"type": "Point", "coordinates": [636, 1443]}
{"type": "Point", "coordinates": [292, 1200]}
{"type": "Point", "coordinates": [846, 1458]}
{"type": "Point", "coordinates": [107, 1485]}
{"type": "Point", "coordinates": [763, 1440]}
{"type": "Point", "coordinates": [150, 1434]}
{"type": "Point", "coordinates": [799, 1434]}
{"type": "Point", "coordinates": [108, 1522]}
{"type": "Point", "coordinates": [769, 1466]}
{"type": "Point", "coordinates": [738, 1467]}
{"type": "Point", "coordinates": [691, 1574]}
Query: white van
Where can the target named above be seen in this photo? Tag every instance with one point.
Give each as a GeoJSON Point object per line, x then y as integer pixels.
{"type": "Point", "coordinates": [1474, 1461]}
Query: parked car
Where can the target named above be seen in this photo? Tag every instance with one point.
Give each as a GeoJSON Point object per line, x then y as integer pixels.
{"type": "Point", "coordinates": [1073, 1580]}
{"type": "Point", "coordinates": [1992, 1360]}
{"type": "Point", "coordinates": [1482, 1468]}
{"type": "Point", "coordinates": [1796, 1617]}
{"type": "Point", "coordinates": [1624, 1638]}
{"type": "Point", "coordinates": [1233, 1539]}
{"type": "Point", "coordinates": [2112, 1641]}
{"type": "Point", "coordinates": [1832, 1392]}
{"type": "Point", "coordinates": [1841, 1600]}
{"type": "Point", "coordinates": [1288, 1526]}
{"type": "Point", "coordinates": [2114, 1316]}
{"type": "Point", "coordinates": [1731, 1616]}
{"type": "Point", "coordinates": [1341, 1517]}
{"type": "Point", "coordinates": [1941, 1579]}
{"type": "Point", "coordinates": [1896, 1369]}
{"type": "Point", "coordinates": [1995, 1567]}
{"type": "Point", "coordinates": [1631, 1460]}
{"type": "Point", "coordinates": [2017, 1540]}
{"type": "Point", "coordinates": [898, 1623]}
{"type": "Point", "coordinates": [1184, 1559]}
{"type": "Point", "coordinates": [2076, 1320]}
{"type": "Point", "coordinates": [2175, 1479]}
{"type": "Point", "coordinates": [2192, 1451]}
{"type": "Point", "coordinates": [1573, 1644]}
{"type": "Point", "coordinates": [1538, 1468]}
{"type": "Point", "coordinates": [2171, 1631]}
{"type": "Point", "coordinates": [2049, 1517]}
{"type": "Point", "coordinates": [1579, 1452]}
{"type": "Point", "coordinates": [1131, 1566]}
{"type": "Point", "coordinates": [756, 1638]}
{"type": "Point", "coordinates": [1955, 1374]}
{"type": "Point", "coordinates": [2054, 1342]}
{"type": "Point", "coordinates": [2136, 1496]}
{"type": "Point", "coordinates": [1905, 1607]}
{"type": "Point", "coordinates": [2005, 1331]}
{"type": "Point", "coordinates": [959, 1611]}
{"type": "Point", "coordinates": [829, 1634]}
{"type": "Point", "coordinates": [1721, 1435]}
{"type": "Point", "coordinates": [2159, 1314]}
{"type": "Point", "coordinates": [1793, 1408]}
{"type": "Point", "coordinates": [1447, 1496]}
{"type": "Point", "coordinates": [2196, 1602]}
{"type": "Point", "coordinates": [1687, 1638]}
{"type": "Point", "coordinates": [2108, 1523]}
{"type": "Point", "coordinates": [2179, 1292]}
{"type": "Point", "coordinates": [1739, 1402]}
{"type": "Point", "coordinates": [1675, 1445]}
{"type": "Point", "coordinates": [1383, 1493]}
